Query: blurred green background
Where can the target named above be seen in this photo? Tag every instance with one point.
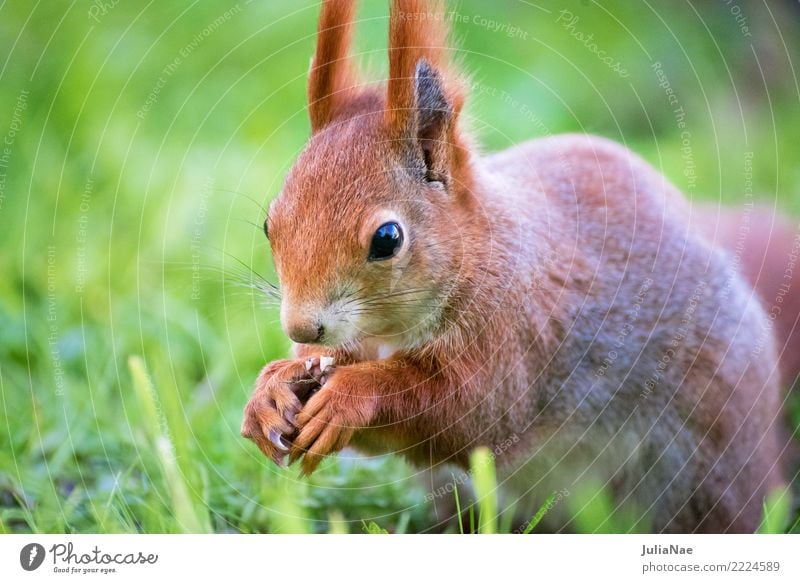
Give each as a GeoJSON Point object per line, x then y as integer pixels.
{"type": "Point", "coordinates": [141, 142]}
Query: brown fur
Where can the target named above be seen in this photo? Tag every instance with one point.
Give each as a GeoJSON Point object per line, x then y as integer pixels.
{"type": "Point", "coordinates": [331, 77]}
{"type": "Point", "coordinates": [552, 296]}
{"type": "Point", "coordinates": [408, 44]}
{"type": "Point", "coordinates": [764, 246]}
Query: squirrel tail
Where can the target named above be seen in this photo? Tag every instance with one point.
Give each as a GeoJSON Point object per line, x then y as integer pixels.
{"type": "Point", "coordinates": [766, 247]}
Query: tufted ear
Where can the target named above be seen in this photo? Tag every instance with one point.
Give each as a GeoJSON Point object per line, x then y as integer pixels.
{"type": "Point", "coordinates": [332, 79]}
{"type": "Point", "coordinates": [424, 94]}
{"type": "Point", "coordinates": [434, 117]}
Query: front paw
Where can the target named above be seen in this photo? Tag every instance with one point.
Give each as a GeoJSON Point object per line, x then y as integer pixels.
{"type": "Point", "coordinates": [281, 389]}
{"type": "Point", "coordinates": [327, 422]}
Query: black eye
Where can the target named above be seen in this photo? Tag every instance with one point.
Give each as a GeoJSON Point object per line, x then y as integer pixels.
{"type": "Point", "coordinates": [386, 242]}
{"type": "Point", "coordinates": [266, 230]}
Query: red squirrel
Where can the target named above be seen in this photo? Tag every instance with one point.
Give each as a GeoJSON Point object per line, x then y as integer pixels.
{"type": "Point", "coordinates": [553, 296]}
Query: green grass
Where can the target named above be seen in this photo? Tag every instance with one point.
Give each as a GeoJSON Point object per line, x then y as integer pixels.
{"type": "Point", "coordinates": [127, 349]}
{"type": "Point", "coordinates": [484, 481]}
{"type": "Point", "coordinates": [777, 512]}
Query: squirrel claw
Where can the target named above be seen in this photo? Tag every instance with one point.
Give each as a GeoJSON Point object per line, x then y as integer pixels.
{"type": "Point", "coordinates": [278, 441]}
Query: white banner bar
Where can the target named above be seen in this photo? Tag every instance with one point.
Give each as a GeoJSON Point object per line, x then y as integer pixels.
{"type": "Point", "coordinates": [401, 558]}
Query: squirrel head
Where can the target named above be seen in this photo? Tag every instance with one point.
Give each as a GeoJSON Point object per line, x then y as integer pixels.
{"type": "Point", "coordinates": [367, 233]}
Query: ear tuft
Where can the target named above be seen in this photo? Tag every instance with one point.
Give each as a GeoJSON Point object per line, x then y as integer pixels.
{"type": "Point", "coordinates": [432, 105]}
{"type": "Point", "coordinates": [424, 94]}
{"type": "Point", "coordinates": [434, 117]}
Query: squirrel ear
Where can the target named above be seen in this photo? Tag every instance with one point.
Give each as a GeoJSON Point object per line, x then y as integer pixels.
{"type": "Point", "coordinates": [424, 93]}
{"type": "Point", "coordinates": [435, 116]}
{"type": "Point", "coordinates": [331, 80]}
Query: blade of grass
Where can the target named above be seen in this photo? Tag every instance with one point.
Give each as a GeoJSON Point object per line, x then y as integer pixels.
{"type": "Point", "coordinates": [337, 523]}
{"type": "Point", "coordinates": [777, 508]}
{"type": "Point", "coordinates": [458, 508]}
{"type": "Point", "coordinates": [402, 523]}
{"type": "Point", "coordinates": [484, 480]}
{"type": "Point", "coordinates": [189, 519]}
{"type": "Point", "coordinates": [540, 513]}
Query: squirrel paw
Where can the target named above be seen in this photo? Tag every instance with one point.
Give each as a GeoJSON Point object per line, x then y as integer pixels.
{"type": "Point", "coordinates": [327, 422]}
{"type": "Point", "coordinates": [270, 417]}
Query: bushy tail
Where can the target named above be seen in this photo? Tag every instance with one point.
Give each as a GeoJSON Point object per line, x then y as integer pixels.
{"type": "Point", "coordinates": [766, 247]}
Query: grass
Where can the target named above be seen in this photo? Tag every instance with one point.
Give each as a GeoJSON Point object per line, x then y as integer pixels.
{"type": "Point", "coordinates": [484, 481]}
{"type": "Point", "coordinates": [143, 153]}
{"type": "Point", "coordinates": [189, 511]}
{"type": "Point", "coordinates": [778, 512]}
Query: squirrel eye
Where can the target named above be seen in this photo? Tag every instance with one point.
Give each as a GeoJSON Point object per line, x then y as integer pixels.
{"type": "Point", "coordinates": [386, 242]}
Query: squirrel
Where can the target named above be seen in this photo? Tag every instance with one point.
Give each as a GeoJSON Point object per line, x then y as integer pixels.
{"type": "Point", "coordinates": [554, 296]}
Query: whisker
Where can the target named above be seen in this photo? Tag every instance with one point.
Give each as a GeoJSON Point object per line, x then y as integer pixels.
{"type": "Point", "coordinates": [243, 195]}
{"type": "Point", "coordinates": [269, 287]}
{"type": "Point", "coordinates": [256, 226]}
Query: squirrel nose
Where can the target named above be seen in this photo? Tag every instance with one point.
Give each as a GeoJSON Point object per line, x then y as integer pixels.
{"type": "Point", "coordinates": [301, 322]}
{"type": "Point", "coordinates": [305, 332]}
